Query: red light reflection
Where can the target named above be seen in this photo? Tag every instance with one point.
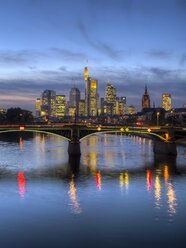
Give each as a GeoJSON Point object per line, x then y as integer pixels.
{"type": "Point", "coordinates": [21, 183]}
{"type": "Point", "coordinates": [149, 180]}
{"type": "Point", "coordinates": [98, 180]}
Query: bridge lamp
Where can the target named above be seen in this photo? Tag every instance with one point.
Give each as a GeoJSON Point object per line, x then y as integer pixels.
{"type": "Point", "coordinates": [99, 129]}
{"type": "Point", "coordinates": [149, 130]}
{"type": "Point", "coordinates": [122, 129]}
{"type": "Point", "coordinates": [127, 129]}
{"type": "Point", "coordinates": [167, 137]}
{"type": "Point", "coordinates": [21, 128]}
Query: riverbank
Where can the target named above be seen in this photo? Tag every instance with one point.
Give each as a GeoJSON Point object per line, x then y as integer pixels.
{"type": "Point", "coordinates": [181, 142]}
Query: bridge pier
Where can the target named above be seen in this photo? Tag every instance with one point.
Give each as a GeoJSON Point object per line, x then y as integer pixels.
{"type": "Point", "coordinates": [74, 148]}
{"type": "Point", "coordinates": [165, 148]}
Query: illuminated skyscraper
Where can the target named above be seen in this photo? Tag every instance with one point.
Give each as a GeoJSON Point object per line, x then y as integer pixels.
{"type": "Point", "coordinates": [38, 107]}
{"type": "Point", "coordinates": [145, 99]}
{"type": "Point", "coordinates": [48, 103]}
{"type": "Point", "coordinates": [166, 101]}
{"type": "Point", "coordinates": [121, 105]}
{"type": "Point", "coordinates": [110, 99]}
{"type": "Point", "coordinates": [131, 110]}
{"type": "Point", "coordinates": [90, 95]}
{"type": "Point", "coordinates": [60, 105]}
{"type": "Point", "coordinates": [74, 98]}
{"type": "Point", "coordinates": [81, 108]}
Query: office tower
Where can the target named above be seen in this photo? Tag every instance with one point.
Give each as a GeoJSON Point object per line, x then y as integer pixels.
{"type": "Point", "coordinates": [81, 108]}
{"type": "Point", "coordinates": [121, 105]}
{"type": "Point", "coordinates": [60, 105]}
{"type": "Point", "coordinates": [166, 101]}
{"type": "Point", "coordinates": [90, 95]}
{"type": "Point", "coordinates": [131, 110]}
{"type": "Point", "coordinates": [145, 99]}
{"type": "Point", "coordinates": [74, 98]}
{"type": "Point", "coordinates": [110, 99]}
{"type": "Point", "coordinates": [38, 107]}
{"type": "Point", "coordinates": [48, 103]}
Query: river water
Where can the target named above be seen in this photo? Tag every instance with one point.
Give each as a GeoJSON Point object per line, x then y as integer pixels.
{"type": "Point", "coordinates": [117, 195]}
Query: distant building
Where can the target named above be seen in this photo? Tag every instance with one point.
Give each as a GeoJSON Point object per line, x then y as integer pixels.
{"type": "Point", "coordinates": [91, 94]}
{"type": "Point", "coordinates": [184, 105]}
{"type": "Point", "coordinates": [81, 108]}
{"type": "Point", "coordinates": [166, 101]}
{"type": "Point", "coordinates": [110, 99]}
{"type": "Point", "coordinates": [131, 110]}
{"type": "Point", "coordinates": [3, 111]}
{"type": "Point", "coordinates": [74, 98]}
{"type": "Point", "coordinates": [121, 105]}
{"type": "Point", "coordinates": [145, 99]}
{"type": "Point", "coordinates": [60, 105]}
{"type": "Point", "coordinates": [72, 111]}
{"type": "Point", "coordinates": [38, 107]}
{"type": "Point", "coordinates": [48, 103]}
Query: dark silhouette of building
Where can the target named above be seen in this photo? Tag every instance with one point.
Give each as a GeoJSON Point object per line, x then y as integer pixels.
{"type": "Point", "coordinates": [145, 99]}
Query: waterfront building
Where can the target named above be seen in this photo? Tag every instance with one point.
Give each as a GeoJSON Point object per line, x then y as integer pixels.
{"type": "Point", "coordinates": [166, 101]}
{"type": "Point", "coordinates": [145, 99]}
{"type": "Point", "coordinates": [72, 111]}
{"type": "Point", "coordinates": [60, 105]}
{"type": "Point", "coordinates": [131, 110]}
{"type": "Point", "coordinates": [48, 103]}
{"type": "Point", "coordinates": [110, 100]}
{"type": "Point", "coordinates": [74, 98]}
{"type": "Point", "coordinates": [81, 108]}
{"type": "Point", "coordinates": [91, 94]}
{"type": "Point", "coordinates": [121, 105]}
{"type": "Point", "coordinates": [38, 107]}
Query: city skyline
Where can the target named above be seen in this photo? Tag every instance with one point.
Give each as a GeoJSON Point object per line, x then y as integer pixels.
{"type": "Point", "coordinates": [147, 46]}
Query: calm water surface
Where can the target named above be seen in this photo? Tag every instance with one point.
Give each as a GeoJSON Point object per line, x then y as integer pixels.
{"type": "Point", "coordinates": [117, 195]}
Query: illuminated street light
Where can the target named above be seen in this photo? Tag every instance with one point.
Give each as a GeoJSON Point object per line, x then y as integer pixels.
{"type": "Point", "coordinates": [158, 114]}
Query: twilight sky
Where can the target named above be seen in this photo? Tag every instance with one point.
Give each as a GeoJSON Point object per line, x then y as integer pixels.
{"type": "Point", "coordinates": [45, 44]}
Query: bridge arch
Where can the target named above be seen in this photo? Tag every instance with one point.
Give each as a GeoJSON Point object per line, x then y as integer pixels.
{"type": "Point", "coordinates": [35, 131]}
{"type": "Point", "coordinates": [157, 136]}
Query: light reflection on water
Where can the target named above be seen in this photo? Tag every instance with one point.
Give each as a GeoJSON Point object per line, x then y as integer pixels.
{"type": "Point", "coordinates": [118, 183]}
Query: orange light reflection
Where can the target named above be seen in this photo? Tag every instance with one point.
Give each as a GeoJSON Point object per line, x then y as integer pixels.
{"type": "Point", "coordinates": [21, 184]}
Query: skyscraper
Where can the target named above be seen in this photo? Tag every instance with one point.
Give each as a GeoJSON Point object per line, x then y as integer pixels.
{"type": "Point", "coordinates": [48, 103]}
{"type": "Point", "coordinates": [74, 98]}
{"type": "Point", "coordinates": [90, 94]}
{"type": "Point", "coordinates": [121, 105]}
{"type": "Point", "coordinates": [166, 101]}
{"type": "Point", "coordinates": [60, 105]}
{"type": "Point", "coordinates": [145, 99]}
{"type": "Point", "coordinates": [38, 107]}
{"type": "Point", "coordinates": [110, 99]}
{"type": "Point", "coordinates": [81, 108]}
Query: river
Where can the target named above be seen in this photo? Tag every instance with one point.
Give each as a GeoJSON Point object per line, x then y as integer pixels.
{"type": "Point", "coordinates": [117, 195]}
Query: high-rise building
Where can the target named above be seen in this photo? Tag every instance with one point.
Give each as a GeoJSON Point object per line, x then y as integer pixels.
{"type": "Point", "coordinates": [166, 101]}
{"type": "Point", "coordinates": [60, 105]}
{"type": "Point", "coordinates": [81, 108]}
{"type": "Point", "coordinates": [90, 95]}
{"type": "Point", "coordinates": [74, 98]}
{"type": "Point", "coordinates": [38, 107]}
{"type": "Point", "coordinates": [145, 99]}
{"type": "Point", "coordinates": [131, 110]}
{"type": "Point", "coordinates": [48, 103]}
{"type": "Point", "coordinates": [110, 99]}
{"type": "Point", "coordinates": [121, 105]}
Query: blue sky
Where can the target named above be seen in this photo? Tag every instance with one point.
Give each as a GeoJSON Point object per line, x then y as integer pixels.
{"type": "Point", "coordinates": [46, 44]}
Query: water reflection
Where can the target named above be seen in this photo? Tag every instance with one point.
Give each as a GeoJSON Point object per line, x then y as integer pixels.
{"type": "Point", "coordinates": [21, 184]}
{"type": "Point", "coordinates": [149, 180]}
{"type": "Point", "coordinates": [157, 186]}
{"type": "Point", "coordinates": [98, 180]}
{"type": "Point", "coordinates": [73, 197]}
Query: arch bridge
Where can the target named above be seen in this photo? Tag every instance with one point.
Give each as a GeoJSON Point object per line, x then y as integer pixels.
{"type": "Point", "coordinates": [164, 137]}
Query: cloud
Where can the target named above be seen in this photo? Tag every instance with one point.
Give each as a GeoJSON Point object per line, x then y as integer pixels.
{"type": "Point", "coordinates": [100, 46]}
{"type": "Point", "coordinates": [159, 54]}
{"type": "Point", "coordinates": [183, 59]}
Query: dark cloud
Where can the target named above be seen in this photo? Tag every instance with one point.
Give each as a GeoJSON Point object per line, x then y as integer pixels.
{"type": "Point", "coordinates": [159, 54]}
{"type": "Point", "coordinates": [183, 59]}
{"type": "Point", "coordinates": [100, 46]}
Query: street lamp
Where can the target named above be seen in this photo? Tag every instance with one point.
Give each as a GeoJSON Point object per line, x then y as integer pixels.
{"type": "Point", "coordinates": [158, 114]}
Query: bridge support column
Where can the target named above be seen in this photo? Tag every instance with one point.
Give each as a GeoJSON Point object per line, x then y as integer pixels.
{"type": "Point", "coordinates": [166, 148]}
{"type": "Point", "coordinates": [74, 148]}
